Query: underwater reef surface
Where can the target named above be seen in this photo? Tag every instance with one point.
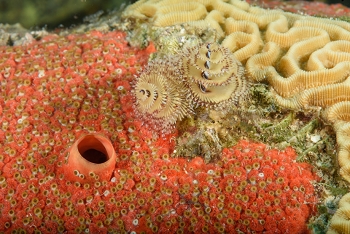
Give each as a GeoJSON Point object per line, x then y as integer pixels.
{"type": "Point", "coordinates": [57, 88]}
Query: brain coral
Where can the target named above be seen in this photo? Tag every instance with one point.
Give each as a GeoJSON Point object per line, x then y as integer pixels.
{"type": "Point", "coordinates": [61, 87]}
{"type": "Point", "coordinates": [340, 221]}
{"type": "Point", "coordinates": [305, 59]}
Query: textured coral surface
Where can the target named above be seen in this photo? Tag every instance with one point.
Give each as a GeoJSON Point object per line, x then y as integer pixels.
{"type": "Point", "coordinates": [56, 89]}
{"type": "Point", "coordinates": [317, 8]}
{"type": "Point", "coordinates": [304, 59]}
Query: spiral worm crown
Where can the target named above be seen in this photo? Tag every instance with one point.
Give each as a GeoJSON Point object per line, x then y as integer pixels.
{"type": "Point", "coordinates": [170, 88]}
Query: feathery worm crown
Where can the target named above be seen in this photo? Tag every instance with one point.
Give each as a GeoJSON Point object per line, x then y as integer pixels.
{"type": "Point", "coordinates": [214, 75]}
{"type": "Point", "coordinates": [160, 97]}
{"type": "Point", "coordinates": [170, 88]}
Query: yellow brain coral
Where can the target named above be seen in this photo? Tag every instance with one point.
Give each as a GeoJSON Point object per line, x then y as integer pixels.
{"type": "Point", "coordinates": [340, 222]}
{"type": "Point", "coordinates": [305, 59]}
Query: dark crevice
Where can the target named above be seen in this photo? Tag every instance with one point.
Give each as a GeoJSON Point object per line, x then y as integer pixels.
{"type": "Point", "coordinates": [95, 156]}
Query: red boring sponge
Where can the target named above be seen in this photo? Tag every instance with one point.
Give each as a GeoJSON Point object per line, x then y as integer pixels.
{"type": "Point", "coordinates": [63, 87]}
